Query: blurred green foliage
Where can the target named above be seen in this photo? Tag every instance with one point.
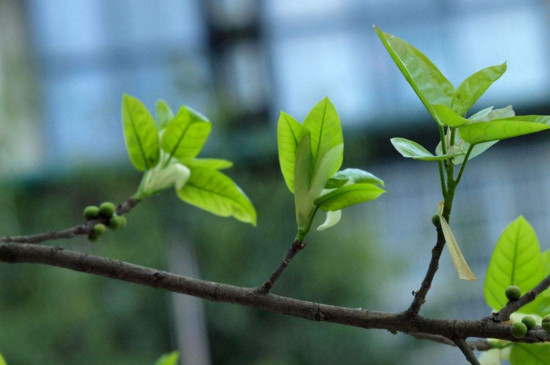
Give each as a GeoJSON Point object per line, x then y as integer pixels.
{"type": "Point", "coordinates": [56, 316]}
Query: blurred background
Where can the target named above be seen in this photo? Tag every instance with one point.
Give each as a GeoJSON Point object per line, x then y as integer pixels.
{"type": "Point", "coordinates": [63, 68]}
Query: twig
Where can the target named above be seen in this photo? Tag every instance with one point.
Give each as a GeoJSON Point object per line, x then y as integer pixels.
{"type": "Point", "coordinates": [467, 351]}
{"type": "Point", "coordinates": [527, 298]}
{"type": "Point", "coordinates": [82, 229]}
{"type": "Point", "coordinates": [396, 322]}
{"type": "Point", "coordinates": [420, 295]}
{"type": "Point", "coordinates": [480, 344]}
{"type": "Point", "coordinates": [296, 247]}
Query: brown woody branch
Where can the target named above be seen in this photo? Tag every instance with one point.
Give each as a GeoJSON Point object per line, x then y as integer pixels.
{"type": "Point", "coordinates": [420, 295]}
{"type": "Point", "coordinates": [396, 322]}
{"type": "Point", "coordinates": [527, 298]}
{"type": "Point", "coordinates": [467, 351]}
{"type": "Point", "coordinates": [296, 247]}
{"type": "Point", "coordinates": [82, 229]}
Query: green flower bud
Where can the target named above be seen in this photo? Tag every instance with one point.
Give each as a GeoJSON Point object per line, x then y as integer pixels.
{"type": "Point", "coordinates": [107, 209]}
{"type": "Point", "coordinates": [529, 322]}
{"type": "Point", "coordinates": [435, 220]}
{"type": "Point", "coordinates": [518, 330]}
{"type": "Point", "coordinates": [116, 222]}
{"type": "Point", "coordinates": [513, 293]}
{"type": "Point", "coordinates": [91, 212]}
{"type": "Point", "coordinates": [99, 229]}
{"type": "Point", "coordinates": [546, 323]}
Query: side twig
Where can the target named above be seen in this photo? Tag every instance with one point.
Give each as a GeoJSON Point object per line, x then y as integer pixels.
{"type": "Point", "coordinates": [420, 295]}
{"type": "Point", "coordinates": [527, 298]}
{"type": "Point", "coordinates": [467, 351]}
{"type": "Point", "coordinates": [82, 229]}
{"type": "Point", "coordinates": [296, 247]}
{"type": "Point", "coordinates": [479, 345]}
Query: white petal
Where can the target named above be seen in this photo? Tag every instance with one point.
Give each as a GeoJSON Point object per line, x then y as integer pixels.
{"type": "Point", "coordinates": [332, 219]}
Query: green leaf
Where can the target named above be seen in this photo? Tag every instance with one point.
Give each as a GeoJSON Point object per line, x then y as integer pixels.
{"type": "Point", "coordinates": [425, 78]}
{"type": "Point", "coordinates": [352, 176]}
{"type": "Point", "coordinates": [348, 195]}
{"type": "Point", "coordinates": [2, 361]}
{"type": "Point", "coordinates": [186, 134]}
{"type": "Point", "coordinates": [490, 114]}
{"type": "Point", "coordinates": [498, 129]}
{"type": "Point", "coordinates": [302, 182]}
{"type": "Point", "coordinates": [546, 261]}
{"type": "Point", "coordinates": [530, 354]}
{"type": "Point", "coordinates": [411, 149]}
{"type": "Point", "coordinates": [446, 116]}
{"type": "Point", "coordinates": [516, 260]}
{"type": "Point", "coordinates": [289, 134]}
{"type": "Point", "coordinates": [216, 193]}
{"type": "Point", "coordinates": [164, 114]}
{"type": "Point", "coordinates": [140, 134]}
{"type": "Point", "coordinates": [211, 163]}
{"type": "Point", "coordinates": [168, 359]}
{"type": "Point", "coordinates": [471, 89]}
{"type": "Point", "coordinates": [325, 130]}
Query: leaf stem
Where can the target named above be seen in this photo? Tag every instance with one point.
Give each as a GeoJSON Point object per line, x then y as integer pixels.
{"type": "Point", "coordinates": [442, 178]}
{"type": "Point", "coordinates": [464, 163]}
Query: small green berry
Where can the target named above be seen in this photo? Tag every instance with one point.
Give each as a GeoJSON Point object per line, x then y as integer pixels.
{"type": "Point", "coordinates": [99, 229]}
{"type": "Point", "coordinates": [435, 220]}
{"type": "Point", "coordinates": [107, 209]}
{"type": "Point", "coordinates": [518, 330]}
{"type": "Point", "coordinates": [91, 212]}
{"type": "Point", "coordinates": [546, 323]}
{"type": "Point", "coordinates": [117, 221]}
{"type": "Point", "coordinates": [513, 293]}
{"type": "Point", "coordinates": [529, 322]}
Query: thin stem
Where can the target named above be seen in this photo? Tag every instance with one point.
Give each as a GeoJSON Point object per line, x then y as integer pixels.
{"type": "Point", "coordinates": [296, 247]}
{"type": "Point", "coordinates": [467, 351]}
{"type": "Point", "coordinates": [420, 295]}
{"type": "Point", "coordinates": [442, 179]}
{"type": "Point", "coordinates": [464, 163]}
{"type": "Point", "coordinates": [442, 137]}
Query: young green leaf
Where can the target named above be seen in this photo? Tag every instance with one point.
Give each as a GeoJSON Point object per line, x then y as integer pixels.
{"type": "Point", "coordinates": [216, 193]}
{"type": "Point", "coordinates": [325, 130]}
{"type": "Point", "coordinates": [425, 78]}
{"type": "Point", "coordinates": [168, 359]}
{"type": "Point", "coordinates": [211, 163]}
{"type": "Point", "coordinates": [289, 134]}
{"type": "Point", "coordinates": [348, 195]}
{"type": "Point", "coordinates": [498, 129]}
{"type": "Point", "coordinates": [164, 114]}
{"type": "Point", "coordinates": [324, 169]}
{"type": "Point", "coordinates": [529, 354]}
{"type": "Point", "coordinates": [516, 260]}
{"type": "Point", "coordinates": [411, 149]}
{"type": "Point", "coordinates": [343, 177]}
{"type": "Point", "coordinates": [302, 183]}
{"type": "Point", "coordinates": [471, 89]}
{"type": "Point", "coordinates": [185, 135]}
{"type": "Point", "coordinates": [140, 134]}
{"type": "Point", "coordinates": [546, 261]}
{"type": "Point", "coordinates": [446, 116]}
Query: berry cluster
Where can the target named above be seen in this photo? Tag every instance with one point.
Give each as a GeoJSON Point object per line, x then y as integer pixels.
{"type": "Point", "coordinates": [519, 329]}
{"type": "Point", "coordinates": [105, 212]}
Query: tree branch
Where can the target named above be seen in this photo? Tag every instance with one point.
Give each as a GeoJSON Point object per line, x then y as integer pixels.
{"type": "Point", "coordinates": [479, 345]}
{"type": "Point", "coordinates": [527, 298]}
{"type": "Point", "coordinates": [396, 322]}
{"type": "Point", "coordinates": [467, 351]}
{"type": "Point", "coordinates": [296, 247]}
{"type": "Point", "coordinates": [420, 295]}
{"type": "Point", "coordinates": [82, 229]}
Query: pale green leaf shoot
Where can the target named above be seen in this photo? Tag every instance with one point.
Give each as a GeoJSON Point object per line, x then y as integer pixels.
{"type": "Point", "coordinates": [411, 149]}
{"type": "Point", "coordinates": [348, 176]}
{"type": "Point", "coordinates": [289, 134]}
{"type": "Point", "coordinates": [348, 195]}
{"type": "Point", "coordinates": [164, 114]}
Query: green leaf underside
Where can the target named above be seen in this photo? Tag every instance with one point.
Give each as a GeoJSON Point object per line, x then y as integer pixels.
{"type": "Point", "coordinates": [516, 260]}
{"type": "Point", "coordinates": [168, 359]}
{"type": "Point", "coordinates": [302, 181]}
{"type": "Point", "coordinates": [186, 134]}
{"type": "Point", "coordinates": [348, 195]}
{"type": "Point", "coordinates": [352, 176]}
{"type": "Point", "coordinates": [411, 149]}
{"type": "Point", "coordinates": [471, 89]}
{"type": "Point", "coordinates": [289, 134]}
{"type": "Point", "coordinates": [494, 130]}
{"type": "Point", "coordinates": [216, 193]}
{"type": "Point", "coordinates": [424, 77]}
{"type": "Point", "coordinates": [140, 134]}
{"type": "Point", "coordinates": [164, 114]}
{"type": "Point", "coordinates": [481, 116]}
{"type": "Point", "coordinates": [325, 130]}
{"type": "Point", "coordinates": [530, 354]}
{"type": "Point", "coordinates": [211, 163]}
